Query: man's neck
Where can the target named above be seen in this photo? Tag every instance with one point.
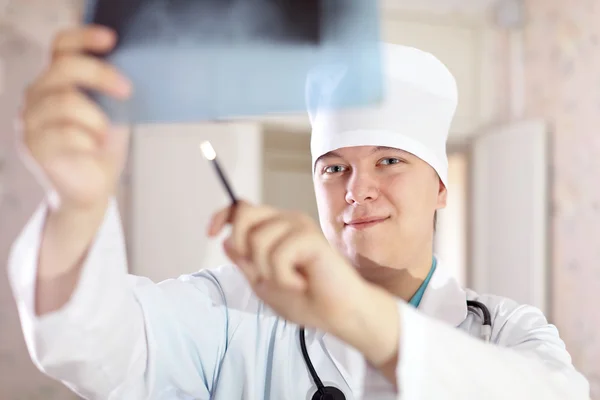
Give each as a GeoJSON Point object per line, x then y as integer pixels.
{"type": "Point", "coordinates": [401, 281]}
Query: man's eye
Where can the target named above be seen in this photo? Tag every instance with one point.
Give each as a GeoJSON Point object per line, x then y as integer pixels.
{"type": "Point", "coordinates": [387, 161]}
{"type": "Point", "coordinates": [333, 169]}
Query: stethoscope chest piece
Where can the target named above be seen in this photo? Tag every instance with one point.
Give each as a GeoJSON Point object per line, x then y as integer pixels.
{"type": "Point", "coordinates": [329, 393]}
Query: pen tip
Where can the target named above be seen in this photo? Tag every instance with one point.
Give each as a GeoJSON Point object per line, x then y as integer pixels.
{"type": "Point", "coordinates": [208, 150]}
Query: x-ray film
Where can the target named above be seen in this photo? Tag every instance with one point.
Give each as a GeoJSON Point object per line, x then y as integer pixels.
{"type": "Point", "coordinates": [195, 60]}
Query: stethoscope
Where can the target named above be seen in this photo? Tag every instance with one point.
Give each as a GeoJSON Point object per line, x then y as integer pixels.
{"type": "Point", "coordinates": [332, 393]}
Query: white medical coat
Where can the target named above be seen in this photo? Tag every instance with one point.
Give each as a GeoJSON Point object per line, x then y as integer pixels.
{"type": "Point", "coordinates": [206, 335]}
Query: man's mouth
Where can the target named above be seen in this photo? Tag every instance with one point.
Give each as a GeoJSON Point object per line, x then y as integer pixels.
{"type": "Point", "coordinates": [364, 223]}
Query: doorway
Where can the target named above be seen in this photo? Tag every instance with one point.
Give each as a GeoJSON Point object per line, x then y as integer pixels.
{"type": "Point", "coordinates": [451, 237]}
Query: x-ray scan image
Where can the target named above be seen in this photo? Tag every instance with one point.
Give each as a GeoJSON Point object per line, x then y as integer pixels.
{"type": "Point", "coordinates": [212, 21]}
{"type": "Point", "coordinates": [193, 60]}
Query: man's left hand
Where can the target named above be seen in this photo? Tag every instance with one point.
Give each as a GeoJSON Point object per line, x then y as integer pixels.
{"type": "Point", "coordinates": [293, 269]}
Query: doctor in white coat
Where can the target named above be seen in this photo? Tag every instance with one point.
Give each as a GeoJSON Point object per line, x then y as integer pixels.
{"type": "Point", "coordinates": [383, 319]}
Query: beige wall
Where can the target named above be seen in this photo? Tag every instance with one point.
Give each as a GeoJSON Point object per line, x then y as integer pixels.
{"type": "Point", "coordinates": [562, 47]}
{"type": "Point", "coordinates": [174, 191]}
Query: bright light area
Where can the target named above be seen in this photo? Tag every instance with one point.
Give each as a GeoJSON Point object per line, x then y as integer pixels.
{"type": "Point", "coordinates": [451, 235]}
{"type": "Point", "coordinates": [208, 150]}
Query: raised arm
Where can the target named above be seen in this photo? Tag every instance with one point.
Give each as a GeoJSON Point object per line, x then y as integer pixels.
{"type": "Point", "coordinates": [88, 323]}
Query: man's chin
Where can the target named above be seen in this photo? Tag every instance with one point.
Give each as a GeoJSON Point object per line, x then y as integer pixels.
{"type": "Point", "coordinates": [366, 258]}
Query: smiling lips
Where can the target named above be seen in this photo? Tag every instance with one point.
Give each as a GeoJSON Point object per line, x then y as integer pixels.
{"type": "Point", "coordinates": [364, 223]}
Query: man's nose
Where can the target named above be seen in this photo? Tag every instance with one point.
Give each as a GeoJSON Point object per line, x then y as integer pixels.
{"type": "Point", "coordinates": [362, 188]}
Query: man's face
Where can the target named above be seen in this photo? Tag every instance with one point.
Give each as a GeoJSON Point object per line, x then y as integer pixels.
{"type": "Point", "coordinates": [376, 204]}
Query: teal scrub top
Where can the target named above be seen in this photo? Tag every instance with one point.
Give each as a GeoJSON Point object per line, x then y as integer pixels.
{"type": "Point", "coordinates": [416, 299]}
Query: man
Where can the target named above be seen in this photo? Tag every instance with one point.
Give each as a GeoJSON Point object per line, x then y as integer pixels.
{"type": "Point", "coordinates": [235, 332]}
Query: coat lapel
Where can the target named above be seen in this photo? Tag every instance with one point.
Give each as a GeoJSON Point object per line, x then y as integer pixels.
{"type": "Point", "coordinates": [444, 299]}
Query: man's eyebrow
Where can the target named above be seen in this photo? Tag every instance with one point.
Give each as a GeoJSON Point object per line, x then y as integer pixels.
{"type": "Point", "coordinates": [328, 155]}
{"type": "Point", "coordinates": [385, 148]}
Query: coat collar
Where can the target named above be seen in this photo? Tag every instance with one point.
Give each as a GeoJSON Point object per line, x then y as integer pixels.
{"type": "Point", "coordinates": [444, 299]}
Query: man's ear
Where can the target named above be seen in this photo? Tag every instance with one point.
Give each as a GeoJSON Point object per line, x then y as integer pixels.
{"type": "Point", "coordinates": [442, 195]}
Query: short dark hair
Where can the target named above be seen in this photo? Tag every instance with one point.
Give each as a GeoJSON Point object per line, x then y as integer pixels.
{"type": "Point", "coordinates": [435, 221]}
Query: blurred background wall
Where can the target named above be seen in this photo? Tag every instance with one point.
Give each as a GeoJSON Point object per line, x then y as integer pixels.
{"type": "Point", "coordinates": [524, 209]}
{"type": "Point", "coordinates": [562, 84]}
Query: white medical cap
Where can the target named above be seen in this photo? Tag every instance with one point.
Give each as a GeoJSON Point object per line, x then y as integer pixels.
{"type": "Point", "coordinates": [420, 99]}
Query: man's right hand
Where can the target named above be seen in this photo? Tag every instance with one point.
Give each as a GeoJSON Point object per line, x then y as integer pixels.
{"type": "Point", "coordinates": [71, 140]}
{"type": "Point", "coordinates": [76, 153]}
